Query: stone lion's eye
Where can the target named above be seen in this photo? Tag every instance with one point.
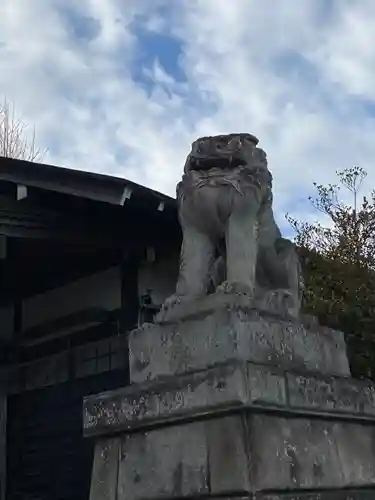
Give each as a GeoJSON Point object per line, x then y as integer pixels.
{"type": "Point", "coordinates": [200, 146]}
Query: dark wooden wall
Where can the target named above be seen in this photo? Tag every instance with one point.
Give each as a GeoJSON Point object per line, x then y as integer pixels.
{"type": "Point", "coordinates": [52, 239]}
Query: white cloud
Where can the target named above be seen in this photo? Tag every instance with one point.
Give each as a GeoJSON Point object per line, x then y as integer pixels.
{"type": "Point", "coordinates": [347, 52]}
{"type": "Point", "coordinates": [297, 75]}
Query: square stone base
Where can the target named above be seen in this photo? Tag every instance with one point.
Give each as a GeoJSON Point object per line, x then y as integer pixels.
{"type": "Point", "coordinates": [233, 403]}
{"type": "Point", "coordinates": [239, 455]}
{"type": "Point", "coordinates": [238, 334]}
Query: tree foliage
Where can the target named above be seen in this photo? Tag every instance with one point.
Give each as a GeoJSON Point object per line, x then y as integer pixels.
{"type": "Point", "coordinates": [15, 142]}
{"type": "Point", "coordinates": [339, 263]}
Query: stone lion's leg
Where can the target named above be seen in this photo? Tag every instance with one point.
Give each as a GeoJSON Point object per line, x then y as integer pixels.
{"type": "Point", "coordinates": [241, 251]}
{"type": "Point", "coordinates": [197, 255]}
{"type": "Point", "coordinates": [217, 272]}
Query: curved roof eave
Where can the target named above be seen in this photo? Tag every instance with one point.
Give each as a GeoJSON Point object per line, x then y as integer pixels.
{"type": "Point", "coordinates": [98, 187]}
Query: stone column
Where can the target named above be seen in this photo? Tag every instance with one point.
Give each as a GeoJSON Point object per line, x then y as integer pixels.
{"type": "Point", "coordinates": [232, 403]}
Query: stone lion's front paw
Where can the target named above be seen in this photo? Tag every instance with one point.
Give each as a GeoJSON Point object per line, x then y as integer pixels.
{"type": "Point", "coordinates": [169, 304]}
{"type": "Point", "coordinates": [172, 301]}
{"type": "Point", "coordinates": [235, 289]}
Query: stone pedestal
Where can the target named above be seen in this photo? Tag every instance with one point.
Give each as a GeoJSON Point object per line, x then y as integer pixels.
{"type": "Point", "coordinates": [234, 404]}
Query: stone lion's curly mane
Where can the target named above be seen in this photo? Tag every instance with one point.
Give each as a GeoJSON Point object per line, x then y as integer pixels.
{"type": "Point", "coordinates": [249, 171]}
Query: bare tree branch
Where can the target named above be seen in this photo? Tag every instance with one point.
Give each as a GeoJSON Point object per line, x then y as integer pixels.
{"type": "Point", "coordinates": [15, 142]}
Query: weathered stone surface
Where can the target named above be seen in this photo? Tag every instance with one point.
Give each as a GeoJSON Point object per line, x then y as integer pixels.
{"type": "Point", "coordinates": [346, 494]}
{"type": "Point", "coordinates": [162, 350]}
{"type": "Point", "coordinates": [228, 462]}
{"type": "Point", "coordinates": [355, 446]}
{"type": "Point", "coordinates": [188, 460]}
{"type": "Point", "coordinates": [247, 497]}
{"type": "Point", "coordinates": [224, 387]}
{"type": "Point", "coordinates": [105, 470]}
{"type": "Point", "coordinates": [266, 386]}
{"type": "Point", "coordinates": [331, 394]}
{"type": "Point", "coordinates": [226, 455]}
{"type": "Point", "coordinates": [269, 452]}
{"type": "Point", "coordinates": [165, 463]}
{"type": "Point", "coordinates": [274, 303]}
{"type": "Point", "coordinates": [322, 495]}
{"type": "Point", "coordinates": [292, 454]}
{"type": "Point", "coordinates": [123, 409]}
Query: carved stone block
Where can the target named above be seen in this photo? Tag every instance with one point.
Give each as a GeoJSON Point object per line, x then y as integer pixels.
{"type": "Point", "coordinates": [366, 494]}
{"type": "Point", "coordinates": [220, 388]}
{"type": "Point", "coordinates": [237, 454]}
{"type": "Point", "coordinates": [266, 386]}
{"type": "Point", "coordinates": [228, 334]}
{"type": "Point", "coordinates": [184, 461]}
{"type": "Point", "coordinates": [331, 393]}
{"type": "Point", "coordinates": [228, 461]}
{"type": "Point", "coordinates": [230, 387]}
{"type": "Point", "coordinates": [164, 463]}
{"type": "Point", "coordinates": [292, 454]}
{"type": "Point", "coordinates": [105, 470]}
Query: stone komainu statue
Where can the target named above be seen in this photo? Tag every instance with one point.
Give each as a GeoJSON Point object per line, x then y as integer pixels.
{"type": "Point", "coordinates": [231, 242]}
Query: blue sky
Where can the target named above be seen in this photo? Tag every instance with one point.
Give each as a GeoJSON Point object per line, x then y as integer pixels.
{"type": "Point", "coordinates": [124, 87]}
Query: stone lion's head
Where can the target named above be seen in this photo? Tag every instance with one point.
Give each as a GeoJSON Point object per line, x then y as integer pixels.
{"type": "Point", "coordinates": [232, 159]}
{"type": "Point", "coordinates": [225, 152]}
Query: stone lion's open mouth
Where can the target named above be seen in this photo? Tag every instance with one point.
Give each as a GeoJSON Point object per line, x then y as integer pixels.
{"type": "Point", "coordinates": [225, 152]}
{"type": "Point", "coordinates": [222, 162]}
